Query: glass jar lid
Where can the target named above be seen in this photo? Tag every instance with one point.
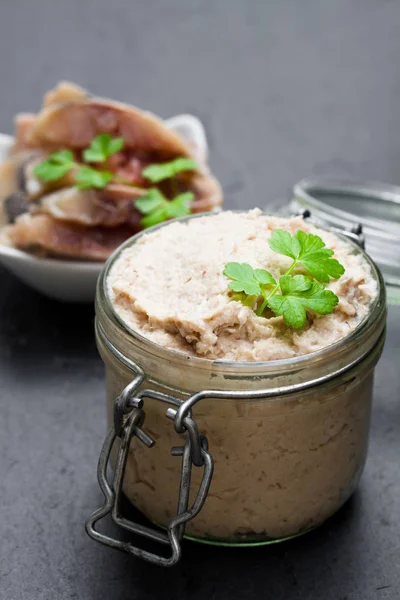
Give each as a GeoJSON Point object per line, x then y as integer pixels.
{"type": "Point", "coordinates": [374, 206]}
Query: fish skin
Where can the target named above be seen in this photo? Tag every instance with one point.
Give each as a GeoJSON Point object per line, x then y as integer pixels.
{"type": "Point", "coordinates": [75, 124]}
{"type": "Point", "coordinates": [8, 186]}
{"type": "Point", "coordinates": [91, 208]}
{"type": "Point", "coordinates": [65, 91]}
{"type": "Point", "coordinates": [43, 234]}
{"type": "Point", "coordinates": [23, 123]}
{"type": "Point", "coordinates": [15, 205]}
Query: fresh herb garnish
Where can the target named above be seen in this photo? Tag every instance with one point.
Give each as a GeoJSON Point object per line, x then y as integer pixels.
{"type": "Point", "coordinates": [248, 280]}
{"type": "Point", "coordinates": [90, 178]}
{"type": "Point", "coordinates": [153, 204]}
{"type": "Point", "coordinates": [309, 251]}
{"type": "Point", "coordinates": [297, 294]}
{"type": "Point", "coordinates": [293, 293]}
{"type": "Point", "coordinates": [156, 208]}
{"type": "Point", "coordinates": [167, 170]}
{"type": "Point", "coordinates": [102, 147]}
{"type": "Point", "coordinates": [58, 164]}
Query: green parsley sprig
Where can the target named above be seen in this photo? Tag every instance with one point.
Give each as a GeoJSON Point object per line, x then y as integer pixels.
{"type": "Point", "coordinates": [102, 147]}
{"type": "Point", "coordinates": [293, 293]}
{"type": "Point", "coordinates": [152, 204]}
{"type": "Point", "coordinates": [156, 208]}
{"type": "Point", "coordinates": [168, 170]}
{"type": "Point", "coordinates": [58, 164]}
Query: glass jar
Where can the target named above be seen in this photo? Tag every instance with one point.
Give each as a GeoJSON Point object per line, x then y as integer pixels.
{"type": "Point", "coordinates": [268, 450]}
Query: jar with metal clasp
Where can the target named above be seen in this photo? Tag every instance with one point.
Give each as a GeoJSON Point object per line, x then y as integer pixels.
{"type": "Point", "coordinates": [232, 453]}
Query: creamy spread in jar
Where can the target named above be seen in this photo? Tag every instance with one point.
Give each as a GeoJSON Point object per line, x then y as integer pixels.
{"type": "Point", "coordinates": [283, 463]}
{"type": "Point", "coordinates": [170, 287]}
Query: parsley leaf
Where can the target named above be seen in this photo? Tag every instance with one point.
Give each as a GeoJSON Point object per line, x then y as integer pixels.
{"type": "Point", "coordinates": [309, 251]}
{"type": "Point", "coordinates": [295, 284]}
{"type": "Point", "coordinates": [294, 293]}
{"type": "Point", "coordinates": [152, 200]}
{"type": "Point", "coordinates": [282, 242]}
{"type": "Point", "coordinates": [159, 172]}
{"type": "Point", "coordinates": [55, 166]}
{"type": "Point", "coordinates": [157, 208]}
{"type": "Point", "coordinates": [321, 266]}
{"type": "Point", "coordinates": [59, 163]}
{"type": "Point", "coordinates": [309, 242]}
{"type": "Point", "coordinates": [180, 205]}
{"type": "Point", "coordinates": [246, 279]}
{"type": "Point", "coordinates": [154, 218]}
{"type": "Point", "coordinates": [102, 146]}
{"type": "Point", "coordinates": [90, 178]}
{"type": "Point", "coordinates": [153, 205]}
{"type": "Point", "coordinates": [297, 295]}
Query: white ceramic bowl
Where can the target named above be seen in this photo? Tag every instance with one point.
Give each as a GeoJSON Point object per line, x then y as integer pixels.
{"type": "Point", "coordinates": [75, 281]}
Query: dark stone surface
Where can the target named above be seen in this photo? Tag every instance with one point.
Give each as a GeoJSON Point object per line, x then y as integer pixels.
{"type": "Point", "coordinates": [286, 89]}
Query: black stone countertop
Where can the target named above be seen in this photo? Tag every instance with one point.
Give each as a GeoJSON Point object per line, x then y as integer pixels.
{"type": "Point", "coordinates": [286, 89]}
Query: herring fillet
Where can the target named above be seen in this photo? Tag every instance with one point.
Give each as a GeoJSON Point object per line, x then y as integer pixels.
{"type": "Point", "coordinates": [44, 233]}
{"type": "Point", "coordinates": [91, 208]}
{"type": "Point", "coordinates": [58, 214]}
{"type": "Point", "coordinates": [75, 124]}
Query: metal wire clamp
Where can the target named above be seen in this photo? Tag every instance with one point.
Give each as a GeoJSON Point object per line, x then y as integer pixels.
{"type": "Point", "coordinates": [128, 420]}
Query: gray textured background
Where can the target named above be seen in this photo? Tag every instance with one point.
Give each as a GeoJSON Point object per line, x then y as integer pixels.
{"type": "Point", "coordinates": [286, 89]}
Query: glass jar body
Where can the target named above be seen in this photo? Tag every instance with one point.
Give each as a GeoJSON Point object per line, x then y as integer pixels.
{"type": "Point", "coordinates": [282, 465]}
{"type": "Point", "coordinates": [284, 462]}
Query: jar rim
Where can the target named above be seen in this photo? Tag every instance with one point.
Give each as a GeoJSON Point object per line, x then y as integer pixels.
{"type": "Point", "coordinates": [103, 299]}
{"type": "Point", "coordinates": [373, 205]}
{"type": "Point", "coordinates": [311, 192]}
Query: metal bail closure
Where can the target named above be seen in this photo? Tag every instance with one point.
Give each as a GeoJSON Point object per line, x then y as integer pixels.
{"type": "Point", "coordinates": [128, 421]}
{"type": "Point", "coordinates": [195, 451]}
{"type": "Point", "coordinates": [354, 233]}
